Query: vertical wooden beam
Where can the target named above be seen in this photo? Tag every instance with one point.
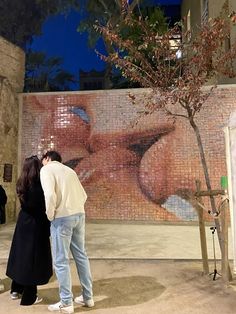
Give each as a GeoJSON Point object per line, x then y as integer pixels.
{"type": "Point", "coordinates": [202, 231]}
{"type": "Point", "coordinates": [225, 267]}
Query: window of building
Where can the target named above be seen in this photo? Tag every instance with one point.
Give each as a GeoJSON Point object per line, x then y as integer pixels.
{"type": "Point", "coordinates": [189, 20]}
{"type": "Point", "coordinates": [227, 44]}
{"type": "Point", "coordinates": [205, 12]}
{"type": "Point", "coordinates": [189, 25]}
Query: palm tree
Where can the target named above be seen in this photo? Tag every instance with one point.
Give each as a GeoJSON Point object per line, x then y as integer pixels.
{"type": "Point", "coordinates": [46, 74]}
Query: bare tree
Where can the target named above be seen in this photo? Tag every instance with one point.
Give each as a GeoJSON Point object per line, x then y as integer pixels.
{"type": "Point", "coordinates": [175, 70]}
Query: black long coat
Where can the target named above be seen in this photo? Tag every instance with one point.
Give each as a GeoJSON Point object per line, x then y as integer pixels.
{"type": "Point", "coordinates": [30, 261]}
{"type": "Point", "coordinates": [3, 196]}
{"type": "Point", "coordinates": [3, 201]}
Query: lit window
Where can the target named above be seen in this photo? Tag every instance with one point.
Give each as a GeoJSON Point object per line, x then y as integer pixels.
{"type": "Point", "coordinates": [189, 21]}
{"type": "Point", "coordinates": [189, 25]}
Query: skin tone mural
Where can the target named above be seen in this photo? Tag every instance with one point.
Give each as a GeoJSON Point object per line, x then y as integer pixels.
{"type": "Point", "coordinates": [132, 168]}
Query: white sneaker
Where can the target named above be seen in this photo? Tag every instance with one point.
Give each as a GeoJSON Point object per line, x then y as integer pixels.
{"type": "Point", "coordinates": [62, 308]}
{"type": "Point", "coordinates": [15, 295]}
{"type": "Point", "coordinates": [38, 300]}
{"type": "Point", "coordinates": [80, 300]}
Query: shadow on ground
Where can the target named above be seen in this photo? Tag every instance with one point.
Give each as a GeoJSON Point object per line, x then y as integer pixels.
{"type": "Point", "coordinates": [110, 292]}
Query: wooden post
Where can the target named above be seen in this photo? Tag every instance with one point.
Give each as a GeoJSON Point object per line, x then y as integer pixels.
{"type": "Point", "coordinates": [202, 232]}
{"type": "Point", "coordinates": [225, 267]}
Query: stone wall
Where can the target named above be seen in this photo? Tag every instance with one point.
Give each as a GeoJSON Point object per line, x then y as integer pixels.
{"type": "Point", "coordinates": [12, 65]}
{"type": "Point", "coordinates": [132, 168]}
{"type": "Point", "coordinates": [11, 83]}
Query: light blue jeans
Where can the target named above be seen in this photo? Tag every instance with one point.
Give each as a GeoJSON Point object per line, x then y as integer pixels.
{"type": "Point", "coordinates": [68, 234]}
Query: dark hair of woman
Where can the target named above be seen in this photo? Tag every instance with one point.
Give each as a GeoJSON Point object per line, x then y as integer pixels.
{"type": "Point", "coordinates": [30, 175]}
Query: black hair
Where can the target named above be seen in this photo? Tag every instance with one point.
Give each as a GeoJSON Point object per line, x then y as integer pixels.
{"type": "Point", "coordinates": [29, 176]}
{"type": "Point", "coordinates": [53, 155]}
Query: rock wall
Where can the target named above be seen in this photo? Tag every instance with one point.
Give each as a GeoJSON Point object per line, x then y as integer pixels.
{"type": "Point", "coordinates": [12, 61]}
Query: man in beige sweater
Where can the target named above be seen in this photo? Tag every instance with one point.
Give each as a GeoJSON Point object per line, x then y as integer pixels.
{"type": "Point", "coordinates": [65, 199]}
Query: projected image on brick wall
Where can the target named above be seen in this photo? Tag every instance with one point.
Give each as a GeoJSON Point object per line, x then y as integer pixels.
{"type": "Point", "coordinates": [132, 167]}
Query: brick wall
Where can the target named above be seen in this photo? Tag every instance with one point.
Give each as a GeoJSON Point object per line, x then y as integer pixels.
{"type": "Point", "coordinates": [132, 168]}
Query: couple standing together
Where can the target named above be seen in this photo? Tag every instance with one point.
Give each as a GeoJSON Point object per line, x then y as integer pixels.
{"type": "Point", "coordinates": [49, 193]}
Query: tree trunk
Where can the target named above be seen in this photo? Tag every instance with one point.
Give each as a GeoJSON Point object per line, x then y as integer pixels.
{"type": "Point", "coordinates": [207, 177]}
{"type": "Point", "coordinates": [108, 70]}
{"type": "Point", "coordinates": [202, 230]}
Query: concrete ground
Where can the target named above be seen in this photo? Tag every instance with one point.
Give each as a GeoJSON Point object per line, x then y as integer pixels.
{"type": "Point", "coordinates": [137, 269]}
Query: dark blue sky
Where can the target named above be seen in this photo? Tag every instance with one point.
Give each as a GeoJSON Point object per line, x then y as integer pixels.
{"type": "Point", "coordinates": [60, 38]}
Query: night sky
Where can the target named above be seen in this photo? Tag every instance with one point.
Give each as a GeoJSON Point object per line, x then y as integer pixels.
{"type": "Point", "coordinates": [60, 38]}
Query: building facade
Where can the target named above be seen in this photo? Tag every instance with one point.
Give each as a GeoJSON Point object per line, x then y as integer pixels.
{"type": "Point", "coordinates": [197, 12]}
{"type": "Point", "coordinates": [93, 80]}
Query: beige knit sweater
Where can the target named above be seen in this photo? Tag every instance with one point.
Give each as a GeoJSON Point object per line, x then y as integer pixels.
{"type": "Point", "coordinates": [64, 194]}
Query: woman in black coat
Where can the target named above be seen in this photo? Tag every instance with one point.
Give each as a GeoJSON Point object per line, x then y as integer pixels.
{"type": "Point", "coordinates": [3, 201]}
{"type": "Point", "coordinates": [30, 261]}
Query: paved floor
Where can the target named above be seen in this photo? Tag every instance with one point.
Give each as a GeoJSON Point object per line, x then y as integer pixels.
{"type": "Point", "coordinates": [137, 269]}
{"type": "Point", "coordinates": [137, 241]}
